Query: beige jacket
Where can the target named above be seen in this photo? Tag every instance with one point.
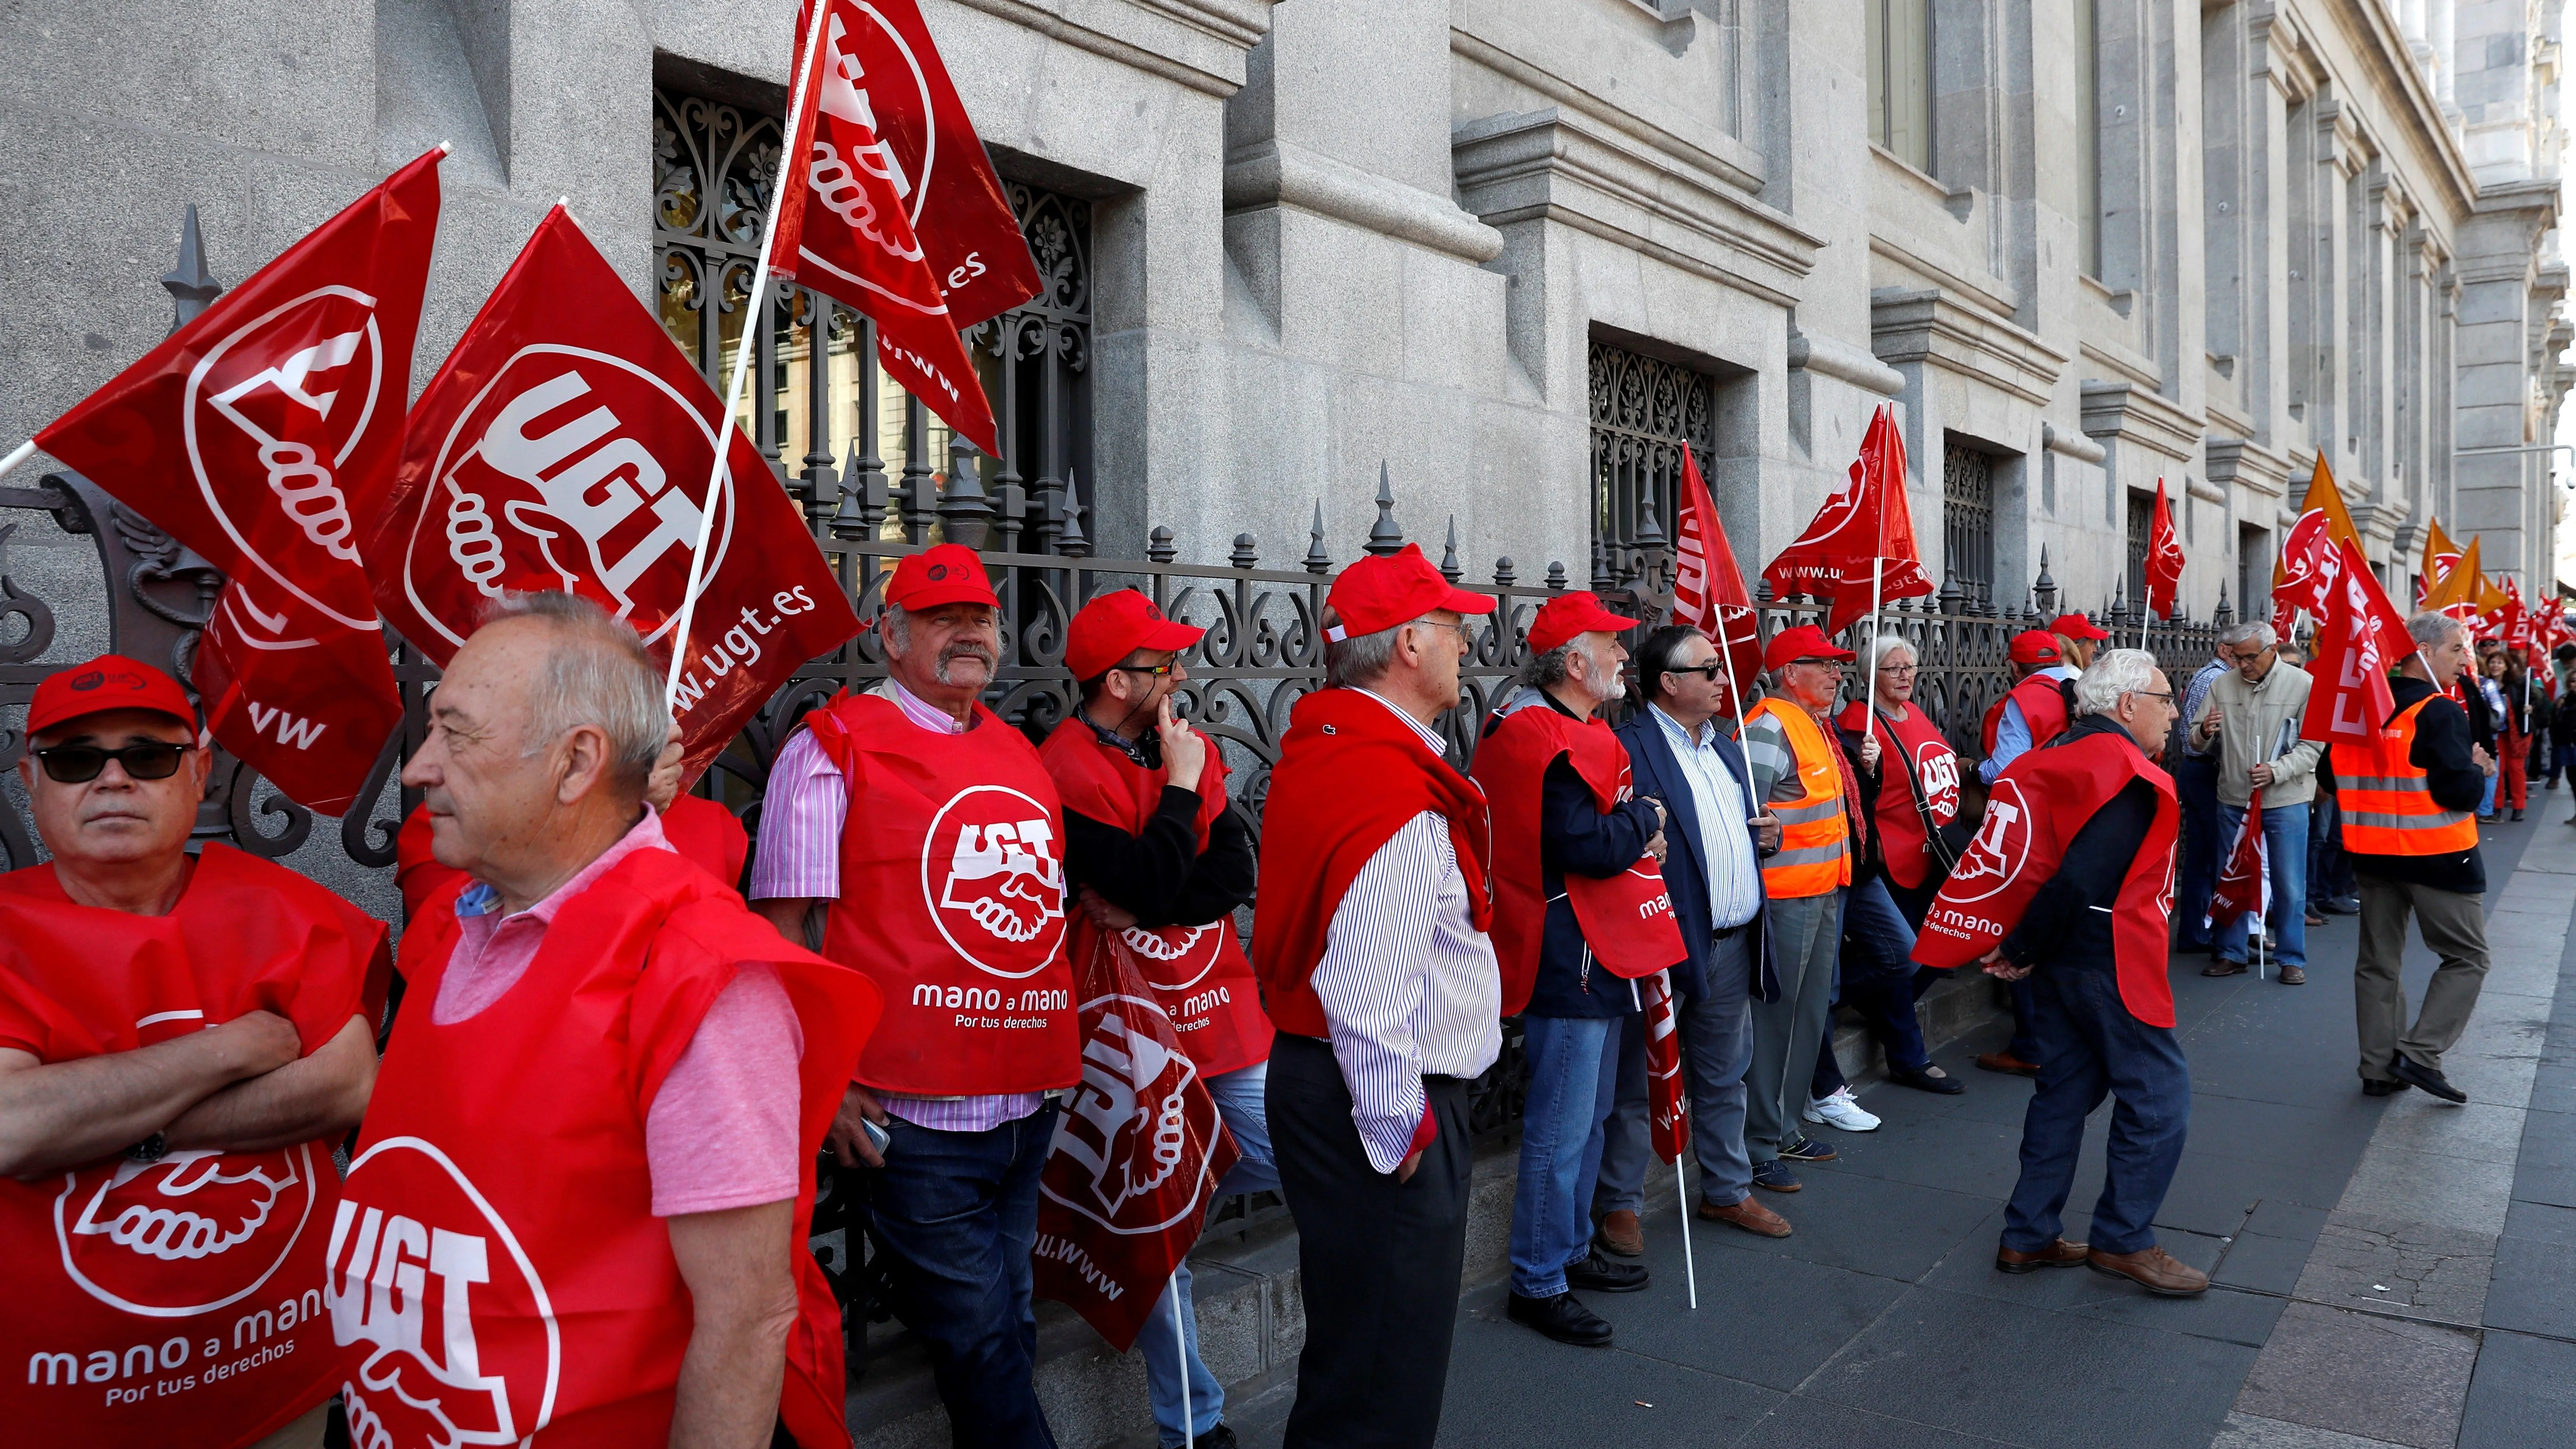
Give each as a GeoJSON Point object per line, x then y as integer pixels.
{"type": "Point", "coordinates": [2253, 719]}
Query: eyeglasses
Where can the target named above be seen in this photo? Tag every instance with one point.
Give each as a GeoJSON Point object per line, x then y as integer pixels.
{"type": "Point", "coordinates": [1712, 671]}
{"type": "Point", "coordinates": [2167, 697]}
{"type": "Point", "coordinates": [1466, 633]}
{"type": "Point", "coordinates": [80, 764]}
{"type": "Point", "coordinates": [1159, 671]}
{"type": "Point", "coordinates": [1832, 664]}
{"type": "Point", "coordinates": [1896, 669]}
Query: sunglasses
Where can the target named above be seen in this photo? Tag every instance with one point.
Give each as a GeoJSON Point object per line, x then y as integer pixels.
{"type": "Point", "coordinates": [80, 764]}
{"type": "Point", "coordinates": [1159, 671]}
{"type": "Point", "coordinates": [1712, 671]}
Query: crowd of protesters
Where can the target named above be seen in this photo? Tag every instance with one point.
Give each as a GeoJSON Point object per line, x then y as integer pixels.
{"type": "Point", "coordinates": [626, 1036]}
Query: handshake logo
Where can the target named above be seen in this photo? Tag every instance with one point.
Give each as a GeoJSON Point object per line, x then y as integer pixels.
{"type": "Point", "coordinates": [990, 874]}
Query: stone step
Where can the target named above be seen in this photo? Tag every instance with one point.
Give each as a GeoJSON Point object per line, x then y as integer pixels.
{"type": "Point", "coordinates": [1251, 1316]}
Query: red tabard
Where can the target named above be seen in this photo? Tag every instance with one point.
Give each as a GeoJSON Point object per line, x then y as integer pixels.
{"type": "Point", "coordinates": [495, 1270]}
{"type": "Point", "coordinates": [1198, 973]}
{"type": "Point", "coordinates": [704, 833]}
{"type": "Point", "coordinates": [952, 900]}
{"type": "Point", "coordinates": [1936, 765]}
{"type": "Point", "coordinates": [2043, 708]}
{"type": "Point", "coordinates": [181, 1302]}
{"type": "Point", "coordinates": [1350, 775]}
{"type": "Point", "coordinates": [2038, 804]}
{"type": "Point", "coordinates": [1626, 920]}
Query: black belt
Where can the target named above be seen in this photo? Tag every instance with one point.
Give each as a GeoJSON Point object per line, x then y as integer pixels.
{"type": "Point", "coordinates": [1729, 933]}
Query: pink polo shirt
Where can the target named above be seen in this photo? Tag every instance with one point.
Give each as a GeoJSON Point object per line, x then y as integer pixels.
{"type": "Point", "coordinates": [722, 1131]}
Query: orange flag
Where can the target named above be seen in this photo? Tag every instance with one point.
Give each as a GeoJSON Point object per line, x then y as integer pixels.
{"type": "Point", "coordinates": [2322, 510]}
{"type": "Point", "coordinates": [2458, 592]}
{"type": "Point", "coordinates": [2440, 557]}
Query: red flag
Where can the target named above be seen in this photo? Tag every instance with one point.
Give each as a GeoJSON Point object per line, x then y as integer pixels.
{"type": "Point", "coordinates": [1136, 1159]}
{"type": "Point", "coordinates": [1667, 1099]}
{"type": "Point", "coordinates": [2164, 558]}
{"type": "Point", "coordinates": [930, 154]}
{"type": "Point", "coordinates": [2517, 619]}
{"type": "Point", "coordinates": [1864, 531]}
{"type": "Point", "coordinates": [1708, 585]}
{"type": "Point", "coordinates": [862, 250]}
{"type": "Point", "coordinates": [2363, 635]}
{"type": "Point", "coordinates": [566, 444]}
{"type": "Point", "coordinates": [244, 435]}
{"type": "Point", "coordinates": [2245, 886]}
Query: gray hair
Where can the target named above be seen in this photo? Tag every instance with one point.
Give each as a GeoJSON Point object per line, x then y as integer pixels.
{"type": "Point", "coordinates": [2252, 631]}
{"type": "Point", "coordinates": [1359, 661]}
{"type": "Point", "coordinates": [596, 673]}
{"type": "Point", "coordinates": [2432, 629]}
{"type": "Point", "coordinates": [1882, 645]}
{"type": "Point", "coordinates": [2114, 672]}
{"type": "Point", "coordinates": [1542, 670]}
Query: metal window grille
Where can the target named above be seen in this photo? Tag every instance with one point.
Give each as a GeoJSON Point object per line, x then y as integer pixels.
{"type": "Point", "coordinates": [1968, 521]}
{"type": "Point", "coordinates": [2142, 523]}
{"type": "Point", "coordinates": [1643, 411]}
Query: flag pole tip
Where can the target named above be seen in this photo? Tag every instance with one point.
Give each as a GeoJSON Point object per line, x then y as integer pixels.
{"type": "Point", "coordinates": [446, 148]}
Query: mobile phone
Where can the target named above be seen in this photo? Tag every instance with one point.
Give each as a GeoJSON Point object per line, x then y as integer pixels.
{"type": "Point", "coordinates": [878, 1137]}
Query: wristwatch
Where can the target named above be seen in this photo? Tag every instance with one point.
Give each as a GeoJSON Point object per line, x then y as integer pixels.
{"type": "Point", "coordinates": [150, 1149]}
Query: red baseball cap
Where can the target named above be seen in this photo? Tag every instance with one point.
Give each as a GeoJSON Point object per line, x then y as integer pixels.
{"type": "Point", "coordinates": [2076, 626]}
{"type": "Point", "coordinates": [1560, 619]}
{"type": "Point", "coordinates": [1115, 625]}
{"type": "Point", "coordinates": [111, 681]}
{"type": "Point", "coordinates": [2034, 646]}
{"type": "Point", "coordinates": [948, 574]}
{"type": "Point", "coordinates": [1803, 642]}
{"type": "Point", "coordinates": [1376, 594]}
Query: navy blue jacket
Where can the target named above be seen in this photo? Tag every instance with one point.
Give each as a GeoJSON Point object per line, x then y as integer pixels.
{"type": "Point", "coordinates": [1575, 836]}
{"type": "Point", "coordinates": [1655, 774]}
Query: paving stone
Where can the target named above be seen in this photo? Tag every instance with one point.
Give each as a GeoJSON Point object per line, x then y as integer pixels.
{"type": "Point", "coordinates": [1507, 1385]}
{"type": "Point", "coordinates": [2524, 1395]}
{"type": "Point", "coordinates": [1803, 1423]}
{"type": "Point", "coordinates": [1957, 1154]}
{"type": "Point", "coordinates": [2541, 1223]}
{"type": "Point", "coordinates": [2280, 1218]}
{"type": "Point", "coordinates": [2263, 1264]}
{"type": "Point", "coordinates": [2248, 1431]}
{"type": "Point", "coordinates": [1865, 1224]}
{"type": "Point", "coordinates": [2431, 1187]}
{"type": "Point", "coordinates": [2362, 1374]}
{"type": "Point", "coordinates": [2534, 1290]}
{"type": "Point", "coordinates": [2548, 1139]}
{"type": "Point", "coordinates": [2412, 1270]}
{"type": "Point", "coordinates": [1767, 1320]}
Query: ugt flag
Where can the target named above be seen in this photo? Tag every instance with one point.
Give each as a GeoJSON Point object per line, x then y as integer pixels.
{"type": "Point", "coordinates": [2164, 558]}
{"type": "Point", "coordinates": [1136, 1159]}
{"type": "Point", "coordinates": [2303, 576]}
{"type": "Point", "coordinates": [1708, 587]}
{"type": "Point", "coordinates": [244, 436]}
{"type": "Point", "coordinates": [1667, 1099]}
{"type": "Point", "coordinates": [2245, 886]}
{"type": "Point", "coordinates": [2362, 637]}
{"type": "Point", "coordinates": [1862, 540]}
{"type": "Point", "coordinates": [567, 444]}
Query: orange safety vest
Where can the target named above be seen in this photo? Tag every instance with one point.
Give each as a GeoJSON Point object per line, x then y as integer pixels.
{"type": "Point", "coordinates": [1815, 840]}
{"type": "Point", "coordinates": [2388, 804]}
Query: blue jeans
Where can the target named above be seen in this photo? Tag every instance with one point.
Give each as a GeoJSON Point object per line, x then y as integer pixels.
{"type": "Point", "coordinates": [1878, 975]}
{"type": "Point", "coordinates": [2329, 869]}
{"type": "Point", "coordinates": [957, 1213]}
{"type": "Point", "coordinates": [2285, 840]}
{"type": "Point", "coordinates": [2090, 1046]}
{"type": "Point", "coordinates": [1239, 1095]}
{"type": "Point", "coordinates": [2204, 846]}
{"type": "Point", "coordinates": [2025, 1014]}
{"type": "Point", "coordinates": [1573, 1084]}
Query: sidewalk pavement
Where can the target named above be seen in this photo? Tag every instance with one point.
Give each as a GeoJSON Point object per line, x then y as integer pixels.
{"type": "Point", "coordinates": [2387, 1272]}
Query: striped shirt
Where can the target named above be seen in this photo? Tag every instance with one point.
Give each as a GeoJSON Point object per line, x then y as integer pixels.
{"type": "Point", "coordinates": [801, 815]}
{"type": "Point", "coordinates": [1726, 843]}
{"type": "Point", "coordinates": [1409, 986]}
{"type": "Point", "coordinates": [1774, 767]}
{"type": "Point", "coordinates": [2194, 695]}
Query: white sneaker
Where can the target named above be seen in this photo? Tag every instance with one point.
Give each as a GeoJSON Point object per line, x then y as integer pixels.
{"type": "Point", "coordinates": [1840, 1111]}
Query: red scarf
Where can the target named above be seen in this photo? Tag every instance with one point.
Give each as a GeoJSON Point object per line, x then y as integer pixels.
{"type": "Point", "coordinates": [1350, 774]}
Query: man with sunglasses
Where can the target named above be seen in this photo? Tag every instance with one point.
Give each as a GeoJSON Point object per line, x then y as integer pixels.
{"type": "Point", "coordinates": [183, 1039]}
{"type": "Point", "coordinates": [1160, 861]}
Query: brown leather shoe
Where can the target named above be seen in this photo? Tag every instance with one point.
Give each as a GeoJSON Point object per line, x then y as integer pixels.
{"type": "Point", "coordinates": [2007, 1062]}
{"type": "Point", "coordinates": [1620, 1235]}
{"type": "Point", "coordinates": [2223, 968]}
{"type": "Point", "coordinates": [2153, 1269]}
{"type": "Point", "coordinates": [1749, 1215]}
{"type": "Point", "coordinates": [2059, 1254]}
{"type": "Point", "coordinates": [2294, 976]}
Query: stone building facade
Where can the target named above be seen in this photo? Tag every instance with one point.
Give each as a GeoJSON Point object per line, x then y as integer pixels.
{"type": "Point", "coordinates": [1515, 252]}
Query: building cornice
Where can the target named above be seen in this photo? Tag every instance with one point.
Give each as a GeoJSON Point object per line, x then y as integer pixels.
{"type": "Point", "coordinates": [2247, 463]}
{"type": "Point", "coordinates": [1721, 157]}
{"type": "Point", "coordinates": [2140, 415]}
{"type": "Point", "coordinates": [1196, 43]}
{"type": "Point", "coordinates": [1929, 326]}
{"type": "Point", "coordinates": [1282, 173]}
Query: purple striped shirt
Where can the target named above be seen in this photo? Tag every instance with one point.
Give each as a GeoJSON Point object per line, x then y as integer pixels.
{"type": "Point", "coordinates": [799, 858]}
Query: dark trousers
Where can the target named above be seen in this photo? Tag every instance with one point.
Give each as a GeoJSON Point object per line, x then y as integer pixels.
{"type": "Point", "coordinates": [2196, 789]}
{"type": "Point", "coordinates": [1913, 902]}
{"type": "Point", "coordinates": [2562, 759]}
{"type": "Point", "coordinates": [1380, 1260]}
{"type": "Point", "coordinates": [2330, 874]}
{"type": "Point", "coordinates": [2091, 1047]}
{"type": "Point", "coordinates": [957, 1213]}
{"type": "Point", "coordinates": [1878, 974]}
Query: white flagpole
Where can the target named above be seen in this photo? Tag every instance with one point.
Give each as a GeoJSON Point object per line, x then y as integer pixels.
{"type": "Point", "coordinates": [751, 319]}
{"type": "Point", "coordinates": [1690, 1268]}
{"type": "Point", "coordinates": [17, 455]}
{"type": "Point", "coordinates": [1181, 1350]}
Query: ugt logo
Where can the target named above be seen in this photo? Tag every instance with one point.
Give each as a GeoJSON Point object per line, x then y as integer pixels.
{"type": "Point", "coordinates": [1137, 1138]}
{"type": "Point", "coordinates": [188, 1234]}
{"type": "Point", "coordinates": [1174, 958]}
{"type": "Point", "coordinates": [1993, 861]}
{"type": "Point", "coordinates": [572, 470]}
{"type": "Point", "coordinates": [285, 398]}
{"type": "Point", "coordinates": [1938, 768]}
{"type": "Point", "coordinates": [991, 879]}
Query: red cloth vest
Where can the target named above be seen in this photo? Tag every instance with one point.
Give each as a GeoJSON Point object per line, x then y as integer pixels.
{"type": "Point", "coordinates": [1626, 920]}
{"type": "Point", "coordinates": [952, 900]}
{"type": "Point", "coordinates": [702, 831]}
{"type": "Point", "coordinates": [1198, 973]}
{"type": "Point", "coordinates": [2041, 800]}
{"type": "Point", "coordinates": [179, 1302]}
{"type": "Point", "coordinates": [1936, 766]}
{"type": "Point", "coordinates": [2043, 708]}
{"type": "Point", "coordinates": [495, 1270]}
{"type": "Point", "coordinates": [1350, 775]}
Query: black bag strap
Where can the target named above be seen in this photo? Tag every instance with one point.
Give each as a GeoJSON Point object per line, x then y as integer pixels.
{"type": "Point", "coordinates": [1932, 837]}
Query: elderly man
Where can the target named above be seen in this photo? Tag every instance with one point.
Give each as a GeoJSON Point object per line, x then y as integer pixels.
{"type": "Point", "coordinates": [2092, 938]}
{"type": "Point", "coordinates": [1557, 778]}
{"type": "Point", "coordinates": [1369, 938]}
{"type": "Point", "coordinates": [1161, 858]}
{"type": "Point", "coordinates": [2409, 797]}
{"type": "Point", "coordinates": [593, 1143]}
{"type": "Point", "coordinates": [1717, 837]}
{"type": "Point", "coordinates": [183, 1039]}
{"type": "Point", "coordinates": [1802, 777]}
{"type": "Point", "coordinates": [2038, 707]}
{"type": "Point", "coordinates": [930, 834]}
{"type": "Point", "coordinates": [2252, 717]}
